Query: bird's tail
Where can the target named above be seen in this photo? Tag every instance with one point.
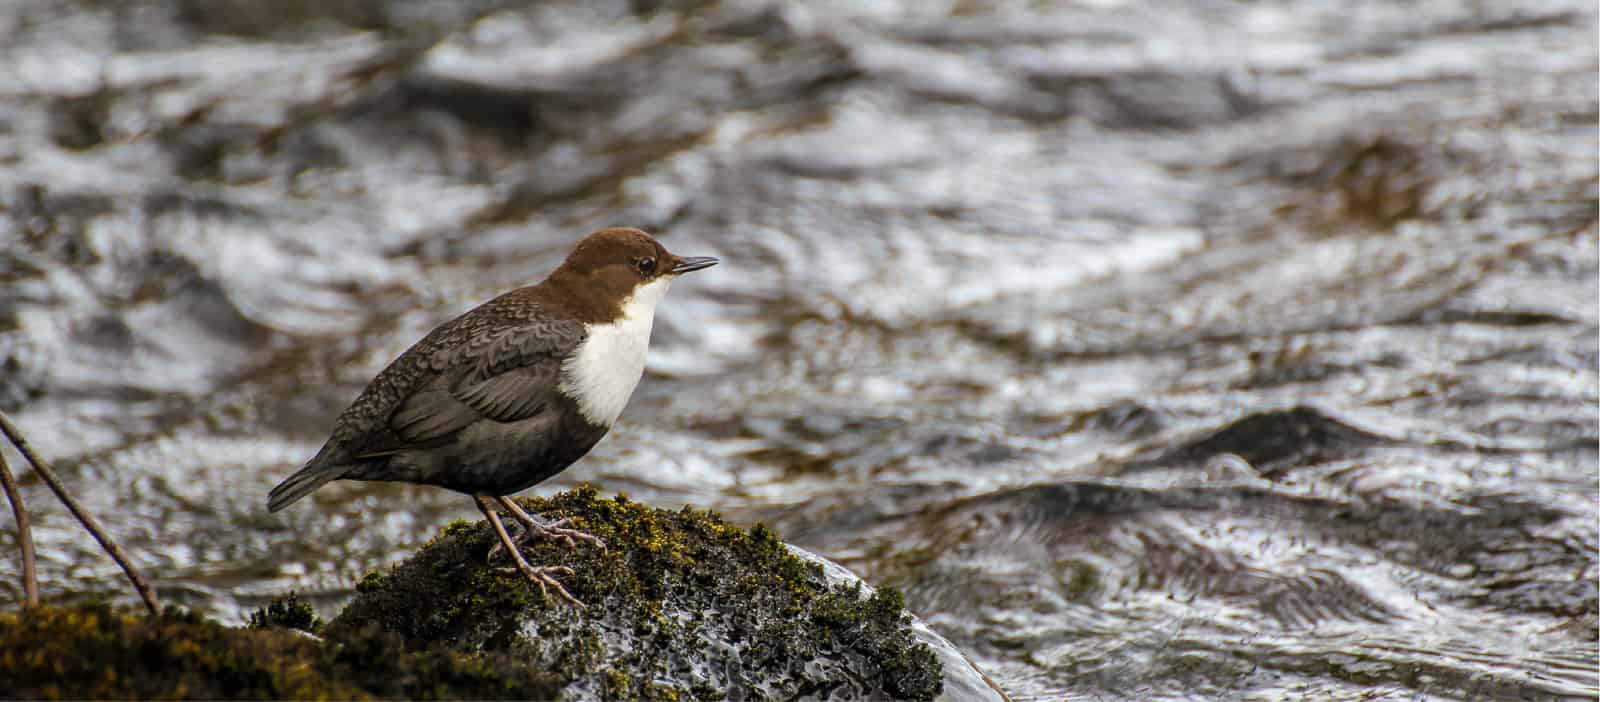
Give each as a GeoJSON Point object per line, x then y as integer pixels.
{"type": "Point", "coordinates": [304, 482]}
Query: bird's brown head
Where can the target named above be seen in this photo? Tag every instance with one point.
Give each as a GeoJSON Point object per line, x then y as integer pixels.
{"type": "Point", "coordinates": [608, 266]}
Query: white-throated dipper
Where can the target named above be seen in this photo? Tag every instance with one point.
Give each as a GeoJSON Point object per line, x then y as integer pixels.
{"type": "Point", "coordinates": [512, 392]}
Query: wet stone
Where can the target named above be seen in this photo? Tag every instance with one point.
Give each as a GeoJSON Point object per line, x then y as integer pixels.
{"type": "Point", "coordinates": [680, 605]}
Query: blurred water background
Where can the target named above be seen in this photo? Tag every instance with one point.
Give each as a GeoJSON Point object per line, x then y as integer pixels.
{"type": "Point", "coordinates": [1155, 350]}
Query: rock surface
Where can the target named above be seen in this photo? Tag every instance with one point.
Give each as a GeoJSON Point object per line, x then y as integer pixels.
{"type": "Point", "coordinates": [680, 605]}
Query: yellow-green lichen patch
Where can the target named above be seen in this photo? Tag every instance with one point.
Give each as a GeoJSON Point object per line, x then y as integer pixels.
{"type": "Point", "coordinates": [681, 605]}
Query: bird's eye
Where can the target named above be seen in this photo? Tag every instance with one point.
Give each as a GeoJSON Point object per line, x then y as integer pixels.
{"type": "Point", "coordinates": [647, 266]}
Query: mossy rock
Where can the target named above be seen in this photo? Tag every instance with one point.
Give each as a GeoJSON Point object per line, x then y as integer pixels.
{"type": "Point", "coordinates": [96, 652]}
{"type": "Point", "coordinates": [680, 605]}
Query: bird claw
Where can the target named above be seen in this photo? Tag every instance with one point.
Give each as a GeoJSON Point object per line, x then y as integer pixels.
{"type": "Point", "coordinates": [569, 537]}
{"type": "Point", "coordinates": [542, 577]}
{"type": "Point", "coordinates": [538, 576]}
{"type": "Point", "coordinates": [555, 530]}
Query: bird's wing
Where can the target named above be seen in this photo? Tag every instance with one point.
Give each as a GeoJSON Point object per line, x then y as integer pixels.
{"type": "Point", "coordinates": [505, 375]}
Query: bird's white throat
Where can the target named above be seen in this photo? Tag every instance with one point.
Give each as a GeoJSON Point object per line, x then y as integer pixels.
{"type": "Point", "coordinates": [607, 366]}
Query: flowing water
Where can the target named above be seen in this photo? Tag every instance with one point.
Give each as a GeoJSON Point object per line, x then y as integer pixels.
{"type": "Point", "coordinates": [1155, 350]}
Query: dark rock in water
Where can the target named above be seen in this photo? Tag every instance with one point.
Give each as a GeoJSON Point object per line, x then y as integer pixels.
{"type": "Point", "coordinates": [1272, 439]}
{"type": "Point", "coordinates": [681, 606]}
{"type": "Point", "coordinates": [963, 680]}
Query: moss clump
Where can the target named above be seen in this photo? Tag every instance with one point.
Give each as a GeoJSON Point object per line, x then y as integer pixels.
{"type": "Point", "coordinates": [96, 652]}
{"type": "Point", "coordinates": [289, 612]}
{"type": "Point", "coordinates": [681, 605]}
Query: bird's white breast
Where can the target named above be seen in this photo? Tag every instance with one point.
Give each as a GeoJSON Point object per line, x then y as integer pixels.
{"type": "Point", "coordinates": [602, 373]}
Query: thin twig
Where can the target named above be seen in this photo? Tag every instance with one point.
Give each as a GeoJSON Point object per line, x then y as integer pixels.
{"type": "Point", "coordinates": [145, 593]}
{"type": "Point", "coordinates": [30, 582]}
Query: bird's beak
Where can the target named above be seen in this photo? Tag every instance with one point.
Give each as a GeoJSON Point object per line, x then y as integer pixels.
{"type": "Point", "coordinates": [693, 263]}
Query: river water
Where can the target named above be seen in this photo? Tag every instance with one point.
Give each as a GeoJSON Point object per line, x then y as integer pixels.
{"type": "Point", "coordinates": [1155, 350]}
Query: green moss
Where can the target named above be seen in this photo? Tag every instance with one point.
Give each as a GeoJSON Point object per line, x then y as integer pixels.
{"type": "Point", "coordinates": [289, 612]}
{"type": "Point", "coordinates": [455, 527]}
{"type": "Point", "coordinates": [681, 605]}
{"type": "Point", "coordinates": [97, 652]}
{"type": "Point", "coordinates": [373, 580]}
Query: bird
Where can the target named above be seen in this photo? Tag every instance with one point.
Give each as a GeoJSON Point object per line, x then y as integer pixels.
{"type": "Point", "coordinates": [511, 392]}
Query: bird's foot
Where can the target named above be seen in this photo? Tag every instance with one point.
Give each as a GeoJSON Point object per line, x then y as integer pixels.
{"type": "Point", "coordinates": [541, 576]}
{"type": "Point", "coordinates": [557, 530]}
{"type": "Point", "coordinates": [550, 530]}
{"type": "Point", "coordinates": [538, 576]}
{"type": "Point", "coordinates": [553, 530]}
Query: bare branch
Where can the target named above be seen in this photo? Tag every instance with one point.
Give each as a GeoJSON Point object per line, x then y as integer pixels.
{"type": "Point", "coordinates": [30, 581]}
{"type": "Point", "coordinates": [49, 476]}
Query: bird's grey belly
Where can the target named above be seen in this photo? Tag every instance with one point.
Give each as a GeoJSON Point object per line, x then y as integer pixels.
{"type": "Point", "coordinates": [496, 458]}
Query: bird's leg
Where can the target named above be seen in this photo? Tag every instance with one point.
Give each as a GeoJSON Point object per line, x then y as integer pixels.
{"type": "Point", "coordinates": [538, 576]}
{"type": "Point", "coordinates": [550, 530]}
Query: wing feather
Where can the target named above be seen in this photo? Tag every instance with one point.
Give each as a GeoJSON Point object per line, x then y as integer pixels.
{"type": "Point", "coordinates": [505, 375]}
{"type": "Point", "coordinates": [430, 414]}
{"type": "Point", "coordinates": [514, 395]}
